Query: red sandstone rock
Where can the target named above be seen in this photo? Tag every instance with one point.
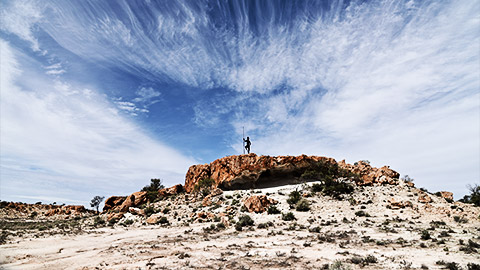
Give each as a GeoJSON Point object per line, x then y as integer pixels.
{"type": "Point", "coordinates": [394, 204]}
{"type": "Point", "coordinates": [153, 219]}
{"type": "Point", "coordinates": [424, 198]}
{"type": "Point", "coordinates": [135, 199]}
{"type": "Point", "coordinates": [447, 195]}
{"type": "Point", "coordinates": [114, 216]}
{"type": "Point", "coordinates": [170, 191]}
{"type": "Point", "coordinates": [247, 171]}
{"type": "Point", "coordinates": [113, 202]}
{"type": "Point", "coordinates": [258, 204]}
{"type": "Point", "coordinates": [136, 211]}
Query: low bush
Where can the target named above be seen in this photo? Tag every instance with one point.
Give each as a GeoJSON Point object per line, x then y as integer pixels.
{"type": "Point", "coordinates": [361, 213]}
{"type": "Point", "coordinates": [163, 220]}
{"type": "Point", "coordinates": [288, 216]}
{"type": "Point", "coordinates": [460, 219]}
{"type": "Point", "coordinates": [294, 197]}
{"type": "Point", "coordinates": [302, 205]}
{"type": "Point", "coordinates": [204, 186]}
{"type": "Point", "coordinates": [243, 221]}
{"type": "Point", "coordinates": [425, 235]}
{"type": "Point", "coordinates": [273, 210]}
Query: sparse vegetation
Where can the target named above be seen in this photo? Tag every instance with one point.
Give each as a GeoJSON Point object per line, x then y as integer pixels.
{"type": "Point", "coordinates": [288, 216]}
{"type": "Point", "coordinates": [204, 186]}
{"type": "Point", "coordinates": [294, 197]}
{"type": "Point", "coordinates": [460, 219]}
{"type": "Point", "coordinates": [474, 196]}
{"type": "Point", "coordinates": [96, 202]}
{"type": "Point", "coordinates": [152, 189]}
{"type": "Point", "coordinates": [243, 221]}
{"type": "Point", "coordinates": [302, 205]}
{"type": "Point", "coordinates": [361, 213]}
{"type": "Point", "coordinates": [425, 235]}
{"type": "Point", "coordinates": [273, 210]}
{"type": "Point", "coordinates": [408, 179]}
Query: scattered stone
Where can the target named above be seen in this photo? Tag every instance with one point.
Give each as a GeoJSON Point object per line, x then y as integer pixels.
{"type": "Point", "coordinates": [424, 198]}
{"type": "Point", "coordinates": [258, 204]}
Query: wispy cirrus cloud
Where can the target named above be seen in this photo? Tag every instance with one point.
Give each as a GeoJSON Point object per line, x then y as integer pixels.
{"type": "Point", "coordinates": [395, 82]}
{"type": "Point", "coordinates": [64, 141]}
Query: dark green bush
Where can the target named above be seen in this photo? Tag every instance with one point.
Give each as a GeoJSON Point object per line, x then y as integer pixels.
{"type": "Point", "coordinates": [149, 211]}
{"type": "Point", "coordinates": [163, 220]}
{"type": "Point", "coordinates": [474, 196]}
{"type": "Point", "coordinates": [273, 210]}
{"type": "Point", "coordinates": [361, 213]}
{"type": "Point", "coordinates": [128, 222]}
{"type": "Point", "coordinates": [288, 216]}
{"type": "Point", "coordinates": [460, 219]}
{"type": "Point", "coordinates": [294, 197]}
{"type": "Point", "coordinates": [302, 205]}
{"type": "Point", "coordinates": [166, 210]}
{"type": "Point", "coordinates": [425, 235]}
{"type": "Point", "coordinates": [245, 220]}
{"type": "Point", "coordinates": [204, 186]}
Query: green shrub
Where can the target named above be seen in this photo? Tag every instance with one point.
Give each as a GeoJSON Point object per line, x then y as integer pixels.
{"type": "Point", "coordinates": [166, 210]}
{"type": "Point", "coordinates": [128, 222]}
{"type": "Point", "coordinates": [288, 216]}
{"type": "Point", "coordinates": [98, 221]}
{"type": "Point", "coordinates": [155, 185]}
{"type": "Point", "coordinates": [460, 219]}
{"type": "Point", "coordinates": [149, 211]}
{"type": "Point", "coordinates": [163, 220]}
{"type": "Point", "coordinates": [294, 197]}
{"type": "Point", "coordinates": [302, 205]}
{"type": "Point", "coordinates": [204, 186]}
{"type": "Point", "coordinates": [273, 210]}
{"type": "Point", "coordinates": [474, 196]}
{"type": "Point", "coordinates": [245, 220]}
{"type": "Point", "coordinates": [316, 188]}
{"type": "Point", "coordinates": [425, 235]}
{"type": "Point", "coordinates": [361, 213]}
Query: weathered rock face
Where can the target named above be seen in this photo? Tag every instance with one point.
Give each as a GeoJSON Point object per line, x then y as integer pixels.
{"type": "Point", "coordinates": [113, 202]}
{"type": "Point", "coordinates": [249, 171]}
{"type": "Point", "coordinates": [165, 192]}
{"type": "Point", "coordinates": [370, 175]}
{"type": "Point", "coordinates": [26, 210]}
{"type": "Point", "coordinates": [258, 204]}
{"type": "Point", "coordinates": [122, 203]}
{"type": "Point", "coordinates": [424, 198]}
{"type": "Point", "coordinates": [447, 195]}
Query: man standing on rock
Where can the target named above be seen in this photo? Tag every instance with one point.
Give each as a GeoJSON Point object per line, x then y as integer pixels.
{"type": "Point", "coordinates": [247, 144]}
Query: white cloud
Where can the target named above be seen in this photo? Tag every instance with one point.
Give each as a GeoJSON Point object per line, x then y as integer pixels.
{"type": "Point", "coordinates": [19, 18]}
{"type": "Point", "coordinates": [146, 95]}
{"type": "Point", "coordinates": [61, 141]}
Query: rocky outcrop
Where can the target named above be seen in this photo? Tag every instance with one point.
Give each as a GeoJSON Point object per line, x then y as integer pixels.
{"type": "Point", "coordinates": [394, 204]}
{"type": "Point", "coordinates": [113, 202]}
{"type": "Point", "coordinates": [448, 196]}
{"type": "Point", "coordinates": [165, 192]}
{"type": "Point", "coordinates": [122, 204]}
{"type": "Point", "coordinates": [39, 210]}
{"type": "Point", "coordinates": [258, 204]}
{"type": "Point", "coordinates": [252, 171]}
{"type": "Point", "coordinates": [424, 198]}
{"type": "Point", "coordinates": [370, 175]}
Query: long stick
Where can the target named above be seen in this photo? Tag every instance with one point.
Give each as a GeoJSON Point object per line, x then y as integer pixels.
{"type": "Point", "coordinates": [243, 140]}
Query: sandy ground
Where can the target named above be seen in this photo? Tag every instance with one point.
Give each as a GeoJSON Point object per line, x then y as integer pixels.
{"type": "Point", "coordinates": [330, 232]}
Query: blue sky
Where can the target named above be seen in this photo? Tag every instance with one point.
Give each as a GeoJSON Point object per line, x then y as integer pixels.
{"type": "Point", "coordinates": [98, 97]}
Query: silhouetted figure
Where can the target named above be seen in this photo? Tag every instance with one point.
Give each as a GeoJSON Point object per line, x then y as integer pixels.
{"type": "Point", "coordinates": [247, 144]}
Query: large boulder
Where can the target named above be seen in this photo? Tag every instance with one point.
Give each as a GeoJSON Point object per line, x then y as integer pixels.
{"type": "Point", "coordinates": [135, 199]}
{"type": "Point", "coordinates": [113, 202]}
{"type": "Point", "coordinates": [258, 204]}
{"type": "Point", "coordinates": [165, 192]}
{"type": "Point", "coordinates": [252, 171]}
{"type": "Point", "coordinates": [448, 196]}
